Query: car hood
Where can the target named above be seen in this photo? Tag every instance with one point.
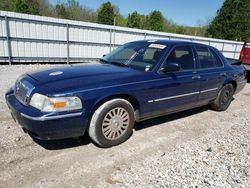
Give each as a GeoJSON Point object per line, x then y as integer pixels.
{"type": "Point", "coordinates": [69, 78]}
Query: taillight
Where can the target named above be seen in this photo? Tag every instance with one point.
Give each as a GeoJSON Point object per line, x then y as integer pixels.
{"type": "Point", "coordinates": [242, 53]}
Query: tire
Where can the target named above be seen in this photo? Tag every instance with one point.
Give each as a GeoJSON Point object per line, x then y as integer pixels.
{"type": "Point", "coordinates": [248, 76]}
{"type": "Point", "coordinates": [224, 98]}
{"type": "Point", "coordinates": [112, 123]}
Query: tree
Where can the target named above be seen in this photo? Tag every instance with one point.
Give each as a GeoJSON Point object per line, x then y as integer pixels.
{"type": "Point", "coordinates": [134, 20]}
{"type": "Point", "coordinates": [45, 8]}
{"type": "Point", "coordinates": [35, 7]}
{"type": "Point", "coordinates": [87, 15]}
{"type": "Point", "coordinates": [61, 11]}
{"type": "Point", "coordinates": [120, 20]}
{"type": "Point", "coordinates": [232, 21]}
{"type": "Point", "coordinates": [73, 9]}
{"type": "Point", "coordinates": [155, 21]}
{"type": "Point", "coordinates": [21, 6]}
{"type": "Point", "coordinates": [7, 5]}
{"type": "Point", "coordinates": [180, 30]}
{"type": "Point", "coordinates": [106, 14]}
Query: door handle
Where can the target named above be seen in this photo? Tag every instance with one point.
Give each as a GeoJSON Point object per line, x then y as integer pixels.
{"type": "Point", "coordinates": [197, 77]}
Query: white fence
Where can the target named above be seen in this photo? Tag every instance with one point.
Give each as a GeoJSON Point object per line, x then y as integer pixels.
{"type": "Point", "coordinates": [30, 38]}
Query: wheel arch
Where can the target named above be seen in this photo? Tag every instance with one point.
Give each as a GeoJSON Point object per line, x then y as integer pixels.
{"type": "Point", "coordinates": [233, 82]}
{"type": "Point", "coordinates": [131, 99]}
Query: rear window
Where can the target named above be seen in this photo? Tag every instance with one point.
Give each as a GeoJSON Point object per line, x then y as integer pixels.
{"type": "Point", "coordinates": [247, 45]}
{"type": "Point", "coordinates": [232, 61]}
{"type": "Point", "coordinates": [208, 58]}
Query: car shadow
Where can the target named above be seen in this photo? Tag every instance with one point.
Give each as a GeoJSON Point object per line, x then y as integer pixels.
{"type": "Point", "coordinates": [85, 139]}
{"type": "Point", "coordinates": [64, 143]}
{"type": "Point", "coordinates": [168, 118]}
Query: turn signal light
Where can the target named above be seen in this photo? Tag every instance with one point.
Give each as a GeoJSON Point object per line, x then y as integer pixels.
{"type": "Point", "coordinates": [59, 105]}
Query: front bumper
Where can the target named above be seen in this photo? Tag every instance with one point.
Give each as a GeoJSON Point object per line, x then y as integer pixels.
{"type": "Point", "coordinates": [46, 126]}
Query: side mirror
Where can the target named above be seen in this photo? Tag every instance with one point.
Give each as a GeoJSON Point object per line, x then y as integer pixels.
{"type": "Point", "coordinates": [104, 55]}
{"type": "Point", "coordinates": [170, 67]}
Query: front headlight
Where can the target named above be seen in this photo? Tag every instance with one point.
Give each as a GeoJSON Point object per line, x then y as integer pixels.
{"type": "Point", "coordinates": [55, 104]}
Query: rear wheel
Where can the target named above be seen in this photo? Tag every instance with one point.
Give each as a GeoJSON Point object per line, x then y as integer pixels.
{"type": "Point", "coordinates": [112, 123]}
{"type": "Point", "coordinates": [224, 98]}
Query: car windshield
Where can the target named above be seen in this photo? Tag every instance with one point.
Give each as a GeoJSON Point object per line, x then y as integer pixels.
{"type": "Point", "coordinates": [137, 55]}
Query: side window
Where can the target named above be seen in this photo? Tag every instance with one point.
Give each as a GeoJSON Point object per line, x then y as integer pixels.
{"type": "Point", "coordinates": [207, 58]}
{"type": "Point", "coordinates": [183, 55]}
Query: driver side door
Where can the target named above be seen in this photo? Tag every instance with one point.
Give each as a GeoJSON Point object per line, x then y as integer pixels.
{"type": "Point", "coordinates": [179, 90]}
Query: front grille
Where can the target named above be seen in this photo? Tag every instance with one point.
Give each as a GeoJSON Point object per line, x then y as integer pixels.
{"type": "Point", "coordinates": [23, 90]}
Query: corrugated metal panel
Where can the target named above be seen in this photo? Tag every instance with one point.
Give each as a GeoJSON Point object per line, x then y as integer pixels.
{"type": "Point", "coordinates": [2, 28]}
{"type": "Point", "coordinates": [3, 49]}
{"type": "Point", "coordinates": [37, 38]}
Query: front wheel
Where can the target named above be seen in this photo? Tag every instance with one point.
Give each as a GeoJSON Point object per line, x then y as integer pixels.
{"type": "Point", "coordinates": [112, 123]}
{"type": "Point", "coordinates": [224, 98]}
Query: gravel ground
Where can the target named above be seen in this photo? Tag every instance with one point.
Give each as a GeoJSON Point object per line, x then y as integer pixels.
{"type": "Point", "coordinates": [195, 148]}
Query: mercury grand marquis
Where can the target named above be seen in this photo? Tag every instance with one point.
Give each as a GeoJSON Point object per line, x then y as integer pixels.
{"type": "Point", "coordinates": [137, 81]}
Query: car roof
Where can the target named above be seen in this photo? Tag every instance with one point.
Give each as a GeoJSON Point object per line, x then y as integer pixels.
{"type": "Point", "coordinates": [170, 42]}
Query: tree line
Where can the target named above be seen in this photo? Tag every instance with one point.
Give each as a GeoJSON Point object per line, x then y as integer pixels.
{"type": "Point", "coordinates": [231, 22]}
{"type": "Point", "coordinates": [106, 14]}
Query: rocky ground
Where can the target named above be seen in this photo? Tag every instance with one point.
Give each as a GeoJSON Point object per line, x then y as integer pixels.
{"type": "Point", "coordinates": [195, 148]}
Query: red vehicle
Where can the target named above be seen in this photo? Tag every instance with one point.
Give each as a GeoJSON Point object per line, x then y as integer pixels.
{"type": "Point", "coordinates": [245, 56]}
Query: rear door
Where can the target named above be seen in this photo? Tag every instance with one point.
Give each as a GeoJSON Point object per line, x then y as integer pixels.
{"type": "Point", "coordinates": [211, 71]}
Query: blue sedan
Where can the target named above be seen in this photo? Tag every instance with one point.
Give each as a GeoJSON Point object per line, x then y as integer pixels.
{"type": "Point", "coordinates": [137, 81]}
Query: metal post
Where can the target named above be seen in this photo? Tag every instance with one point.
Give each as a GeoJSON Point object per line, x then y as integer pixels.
{"type": "Point", "coordinates": [223, 44]}
{"type": "Point", "coordinates": [145, 36]}
{"type": "Point", "coordinates": [8, 38]}
{"type": "Point", "coordinates": [114, 37]}
{"type": "Point", "coordinates": [235, 50]}
{"type": "Point", "coordinates": [67, 43]}
{"type": "Point", "coordinates": [114, 21]}
{"type": "Point", "coordinates": [110, 40]}
{"type": "Point", "coordinates": [114, 30]}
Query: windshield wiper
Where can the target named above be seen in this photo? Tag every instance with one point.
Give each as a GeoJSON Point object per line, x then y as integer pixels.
{"type": "Point", "coordinates": [119, 64]}
{"type": "Point", "coordinates": [114, 63]}
{"type": "Point", "coordinates": [104, 61]}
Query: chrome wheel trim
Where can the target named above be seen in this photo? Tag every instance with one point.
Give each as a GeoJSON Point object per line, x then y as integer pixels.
{"type": "Point", "coordinates": [115, 123]}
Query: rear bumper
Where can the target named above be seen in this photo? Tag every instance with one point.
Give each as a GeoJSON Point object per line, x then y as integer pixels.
{"type": "Point", "coordinates": [240, 85]}
{"type": "Point", "coordinates": [46, 126]}
{"type": "Point", "coordinates": [247, 66]}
